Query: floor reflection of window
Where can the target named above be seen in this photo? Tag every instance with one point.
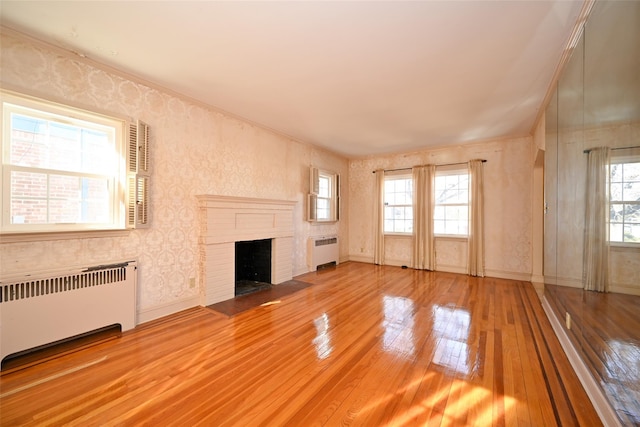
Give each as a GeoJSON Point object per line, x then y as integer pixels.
{"type": "Point", "coordinates": [451, 331]}
{"type": "Point", "coordinates": [398, 326]}
{"type": "Point", "coordinates": [322, 341]}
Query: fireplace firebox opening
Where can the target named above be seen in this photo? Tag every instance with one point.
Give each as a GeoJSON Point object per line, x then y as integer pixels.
{"type": "Point", "coordinates": [253, 266]}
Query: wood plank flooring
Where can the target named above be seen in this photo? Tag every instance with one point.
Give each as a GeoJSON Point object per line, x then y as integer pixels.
{"type": "Point", "coordinates": [364, 345]}
{"type": "Point", "coordinates": [605, 330]}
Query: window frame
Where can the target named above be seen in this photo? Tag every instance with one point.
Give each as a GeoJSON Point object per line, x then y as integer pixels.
{"type": "Point", "coordinates": [449, 171]}
{"type": "Point", "coordinates": [397, 176]}
{"type": "Point", "coordinates": [54, 112]}
{"type": "Point", "coordinates": [620, 160]}
{"type": "Point", "coordinates": [317, 197]}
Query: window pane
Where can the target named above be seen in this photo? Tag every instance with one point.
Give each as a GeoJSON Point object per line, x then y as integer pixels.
{"type": "Point", "coordinates": [632, 213]}
{"type": "Point", "coordinates": [631, 172]}
{"type": "Point", "coordinates": [625, 203]}
{"type": "Point", "coordinates": [322, 208]}
{"type": "Point", "coordinates": [451, 212]}
{"type": "Point", "coordinates": [47, 144]}
{"type": "Point", "coordinates": [632, 233]}
{"type": "Point", "coordinates": [438, 212]}
{"type": "Point", "coordinates": [615, 232]}
{"type": "Point", "coordinates": [616, 172]}
{"type": "Point", "coordinates": [616, 192]}
{"type": "Point", "coordinates": [616, 212]}
{"type": "Point", "coordinates": [631, 191]}
{"type": "Point", "coordinates": [398, 211]}
{"type": "Point", "coordinates": [28, 198]}
{"type": "Point", "coordinates": [388, 225]}
{"type": "Point", "coordinates": [323, 188]}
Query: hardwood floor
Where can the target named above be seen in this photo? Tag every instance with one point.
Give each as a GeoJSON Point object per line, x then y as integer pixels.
{"type": "Point", "coordinates": [605, 330]}
{"type": "Point", "coordinates": [365, 345]}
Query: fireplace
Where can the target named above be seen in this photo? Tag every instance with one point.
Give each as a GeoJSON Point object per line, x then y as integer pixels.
{"type": "Point", "coordinates": [253, 266]}
{"type": "Point", "coordinates": [227, 220]}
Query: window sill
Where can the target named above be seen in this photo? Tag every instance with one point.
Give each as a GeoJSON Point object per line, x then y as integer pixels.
{"type": "Point", "coordinates": [398, 234]}
{"type": "Point", "coordinates": [450, 237]}
{"type": "Point", "coordinates": [624, 247]}
{"type": "Point", "coordinates": [60, 235]}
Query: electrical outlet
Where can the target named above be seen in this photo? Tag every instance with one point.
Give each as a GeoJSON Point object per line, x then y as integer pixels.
{"type": "Point", "coordinates": [192, 282]}
{"type": "Point", "coordinates": [567, 319]}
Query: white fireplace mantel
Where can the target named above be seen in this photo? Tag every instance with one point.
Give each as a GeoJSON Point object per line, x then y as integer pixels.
{"type": "Point", "coordinates": [225, 220]}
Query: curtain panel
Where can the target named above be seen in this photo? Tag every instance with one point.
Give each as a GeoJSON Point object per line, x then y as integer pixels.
{"type": "Point", "coordinates": [596, 229]}
{"type": "Point", "coordinates": [424, 254]}
{"type": "Point", "coordinates": [475, 250]}
{"type": "Point", "coordinates": [378, 247]}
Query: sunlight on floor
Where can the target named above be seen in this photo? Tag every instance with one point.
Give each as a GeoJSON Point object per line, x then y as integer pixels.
{"type": "Point", "coordinates": [464, 403]}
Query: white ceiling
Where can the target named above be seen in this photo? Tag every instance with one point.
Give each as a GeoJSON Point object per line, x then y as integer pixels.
{"type": "Point", "coordinates": [358, 77]}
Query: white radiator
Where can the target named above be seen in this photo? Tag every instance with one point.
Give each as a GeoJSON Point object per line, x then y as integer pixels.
{"type": "Point", "coordinates": [40, 309]}
{"type": "Point", "coordinates": [322, 250]}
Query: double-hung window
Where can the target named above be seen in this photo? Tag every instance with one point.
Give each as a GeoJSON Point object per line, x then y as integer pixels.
{"type": "Point", "coordinates": [451, 210]}
{"type": "Point", "coordinates": [323, 208]}
{"type": "Point", "coordinates": [624, 201]}
{"type": "Point", "coordinates": [398, 204]}
{"type": "Point", "coordinates": [324, 196]}
{"type": "Point", "coordinates": [63, 169]}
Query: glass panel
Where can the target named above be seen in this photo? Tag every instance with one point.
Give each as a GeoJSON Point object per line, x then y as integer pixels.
{"type": "Point", "coordinates": [616, 192]}
{"type": "Point", "coordinates": [631, 191]}
{"type": "Point", "coordinates": [322, 208]}
{"type": "Point", "coordinates": [631, 172]}
{"type": "Point", "coordinates": [47, 144]}
{"type": "Point", "coordinates": [615, 232]}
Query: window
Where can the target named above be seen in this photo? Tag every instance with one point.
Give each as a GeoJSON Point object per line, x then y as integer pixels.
{"type": "Point", "coordinates": [451, 211]}
{"type": "Point", "coordinates": [63, 169]}
{"type": "Point", "coordinates": [398, 204]}
{"type": "Point", "coordinates": [324, 197]}
{"type": "Point", "coordinates": [323, 208]}
{"type": "Point", "coordinates": [625, 201]}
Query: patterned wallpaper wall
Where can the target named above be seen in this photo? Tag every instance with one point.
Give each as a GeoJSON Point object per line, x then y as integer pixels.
{"type": "Point", "coordinates": [194, 150]}
{"type": "Point", "coordinates": [508, 194]}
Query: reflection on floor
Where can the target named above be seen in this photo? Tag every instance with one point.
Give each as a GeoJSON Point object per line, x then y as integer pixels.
{"type": "Point", "coordinates": [605, 329]}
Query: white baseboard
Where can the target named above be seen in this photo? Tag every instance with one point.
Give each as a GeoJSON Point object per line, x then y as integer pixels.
{"type": "Point", "coordinates": [602, 406]}
{"type": "Point", "coordinates": [510, 275]}
{"type": "Point", "coordinates": [624, 289]}
{"type": "Point", "coordinates": [451, 269]}
{"type": "Point", "coordinates": [537, 278]}
{"type": "Point", "coordinates": [161, 310]}
{"type": "Point", "coordinates": [361, 258]}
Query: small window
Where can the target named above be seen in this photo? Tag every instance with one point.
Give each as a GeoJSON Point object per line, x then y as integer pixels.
{"type": "Point", "coordinates": [451, 211]}
{"type": "Point", "coordinates": [63, 169]}
{"type": "Point", "coordinates": [324, 196]}
{"type": "Point", "coordinates": [625, 201]}
{"type": "Point", "coordinates": [398, 204]}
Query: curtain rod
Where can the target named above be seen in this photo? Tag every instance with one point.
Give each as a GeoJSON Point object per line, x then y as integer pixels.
{"type": "Point", "coordinates": [444, 164]}
{"type": "Point", "coordinates": [612, 149]}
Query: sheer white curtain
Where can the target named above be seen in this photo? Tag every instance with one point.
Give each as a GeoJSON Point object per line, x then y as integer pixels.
{"type": "Point", "coordinates": [475, 252]}
{"type": "Point", "coordinates": [378, 220]}
{"type": "Point", "coordinates": [596, 229]}
{"type": "Point", "coordinates": [424, 254]}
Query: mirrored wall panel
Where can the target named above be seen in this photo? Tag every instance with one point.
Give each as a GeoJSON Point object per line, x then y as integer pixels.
{"type": "Point", "coordinates": [592, 203]}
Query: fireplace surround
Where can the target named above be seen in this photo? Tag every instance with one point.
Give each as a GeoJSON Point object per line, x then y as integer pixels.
{"type": "Point", "coordinates": [225, 220]}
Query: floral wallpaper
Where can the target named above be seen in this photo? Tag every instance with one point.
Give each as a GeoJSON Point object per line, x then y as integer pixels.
{"type": "Point", "coordinates": [194, 150]}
